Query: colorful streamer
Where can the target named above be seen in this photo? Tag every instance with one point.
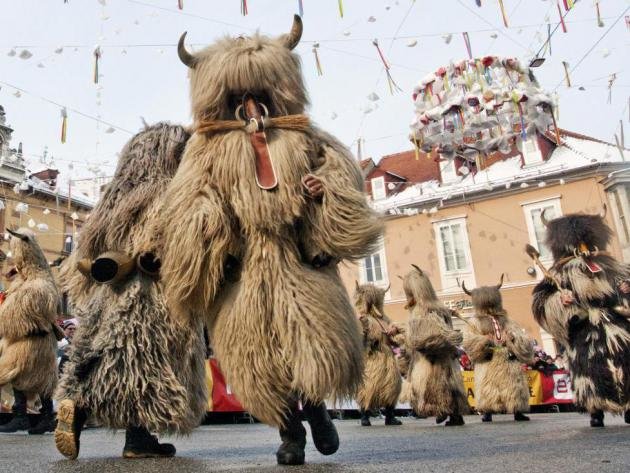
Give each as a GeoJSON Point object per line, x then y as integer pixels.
{"type": "Point", "coordinates": [393, 87]}
{"type": "Point", "coordinates": [467, 42]}
{"type": "Point", "coordinates": [503, 14]}
{"type": "Point", "coordinates": [97, 57]}
{"type": "Point", "coordinates": [301, 8]}
{"type": "Point", "coordinates": [64, 124]}
{"type": "Point", "coordinates": [600, 22]}
{"type": "Point", "coordinates": [564, 26]}
{"type": "Point", "coordinates": [566, 73]}
{"type": "Point", "coordinates": [549, 37]}
{"type": "Point", "coordinates": [317, 62]}
{"type": "Point", "coordinates": [180, 4]}
{"type": "Point", "coordinates": [244, 7]}
{"type": "Point", "coordinates": [340, 3]}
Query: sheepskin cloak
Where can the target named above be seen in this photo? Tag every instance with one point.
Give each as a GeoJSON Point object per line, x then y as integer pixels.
{"type": "Point", "coordinates": [28, 347]}
{"type": "Point", "coordinates": [596, 336]}
{"type": "Point", "coordinates": [437, 386]}
{"type": "Point", "coordinates": [132, 363]}
{"type": "Point", "coordinates": [500, 381]}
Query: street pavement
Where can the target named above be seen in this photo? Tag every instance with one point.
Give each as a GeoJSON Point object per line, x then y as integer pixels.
{"type": "Point", "coordinates": [550, 443]}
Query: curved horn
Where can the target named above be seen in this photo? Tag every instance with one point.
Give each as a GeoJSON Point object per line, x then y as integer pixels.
{"type": "Point", "coordinates": [602, 214]}
{"type": "Point", "coordinates": [17, 235]}
{"type": "Point", "coordinates": [500, 281]}
{"type": "Point", "coordinates": [417, 268]}
{"type": "Point", "coordinates": [356, 285]}
{"type": "Point", "coordinates": [184, 55]}
{"type": "Point", "coordinates": [389, 286]}
{"type": "Point", "coordinates": [292, 39]}
{"type": "Point", "coordinates": [464, 289]}
{"type": "Point", "coordinates": [543, 219]}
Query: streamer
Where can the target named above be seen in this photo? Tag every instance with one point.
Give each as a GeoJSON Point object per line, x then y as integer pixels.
{"type": "Point", "coordinates": [503, 14]}
{"type": "Point", "coordinates": [467, 42]}
{"type": "Point", "coordinates": [64, 124]}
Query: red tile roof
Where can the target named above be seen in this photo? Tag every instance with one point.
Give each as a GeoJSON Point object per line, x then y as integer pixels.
{"type": "Point", "coordinates": [406, 165]}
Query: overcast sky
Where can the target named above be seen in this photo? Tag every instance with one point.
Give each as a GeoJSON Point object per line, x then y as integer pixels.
{"type": "Point", "coordinates": [142, 76]}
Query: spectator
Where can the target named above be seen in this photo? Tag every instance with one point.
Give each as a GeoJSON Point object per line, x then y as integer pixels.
{"type": "Point", "coordinates": [69, 327]}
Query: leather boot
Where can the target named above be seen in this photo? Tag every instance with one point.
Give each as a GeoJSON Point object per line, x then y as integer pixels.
{"type": "Point", "coordinates": [487, 417]}
{"type": "Point", "coordinates": [597, 419]}
{"type": "Point", "coordinates": [365, 418]}
{"type": "Point", "coordinates": [20, 419]}
{"type": "Point", "coordinates": [46, 421]}
{"type": "Point", "coordinates": [139, 443]}
{"type": "Point", "coordinates": [520, 417]}
{"type": "Point", "coordinates": [70, 422]}
{"type": "Point", "coordinates": [626, 417]}
{"type": "Point", "coordinates": [323, 430]}
{"type": "Point", "coordinates": [455, 419]}
{"type": "Point", "coordinates": [390, 419]}
{"type": "Point", "coordinates": [293, 436]}
{"type": "Point", "coordinates": [441, 418]}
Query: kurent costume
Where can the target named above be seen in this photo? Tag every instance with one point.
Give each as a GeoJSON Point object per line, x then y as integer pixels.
{"type": "Point", "coordinates": [437, 386]}
{"type": "Point", "coordinates": [583, 303]}
{"type": "Point", "coordinates": [382, 381]}
{"type": "Point", "coordinates": [499, 348]}
{"type": "Point", "coordinates": [132, 365]}
{"type": "Point", "coordinates": [399, 340]}
{"type": "Point", "coordinates": [259, 213]}
{"type": "Point", "coordinates": [28, 332]}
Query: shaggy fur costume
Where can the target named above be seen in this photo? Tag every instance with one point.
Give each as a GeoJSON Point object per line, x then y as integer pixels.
{"type": "Point", "coordinates": [403, 359]}
{"type": "Point", "coordinates": [132, 363]}
{"type": "Point", "coordinates": [250, 260]}
{"type": "Point", "coordinates": [437, 386]}
{"type": "Point", "coordinates": [382, 382]}
{"type": "Point", "coordinates": [28, 346]}
{"type": "Point", "coordinates": [595, 333]}
{"type": "Point", "coordinates": [498, 355]}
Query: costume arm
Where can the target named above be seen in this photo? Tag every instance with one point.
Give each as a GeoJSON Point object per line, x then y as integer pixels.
{"type": "Point", "coordinates": [519, 343]}
{"type": "Point", "coordinates": [551, 314]}
{"type": "Point", "coordinates": [342, 224]}
{"type": "Point", "coordinates": [372, 330]}
{"type": "Point", "coordinates": [477, 346]}
{"type": "Point", "coordinates": [197, 235]}
{"type": "Point", "coordinates": [433, 337]}
{"type": "Point", "coordinates": [30, 309]}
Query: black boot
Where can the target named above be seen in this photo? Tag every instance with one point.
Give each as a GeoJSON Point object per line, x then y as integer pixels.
{"type": "Point", "coordinates": [20, 419]}
{"type": "Point", "coordinates": [597, 419]}
{"type": "Point", "coordinates": [390, 419]}
{"type": "Point", "coordinates": [70, 422]}
{"type": "Point", "coordinates": [365, 418]}
{"type": "Point", "coordinates": [520, 417]}
{"type": "Point", "coordinates": [139, 443]}
{"type": "Point", "coordinates": [487, 417]}
{"type": "Point", "coordinates": [46, 419]}
{"type": "Point", "coordinates": [626, 417]}
{"type": "Point", "coordinates": [441, 418]}
{"type": "Point", "coordinates": [293, 436]}
{"type": "Point", "coordinates": [323, 430]}
{"type": "Point", "coordinates": [455, 419]}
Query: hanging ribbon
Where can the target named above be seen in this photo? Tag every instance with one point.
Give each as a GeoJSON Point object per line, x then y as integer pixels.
{"type": "Point", "coordinates": [97, 57]}
{"type": "Point", "coordinates": [503, 14]}
{"type": "Point", "coordinates": [566, 73]}
{"type": "Point", "coordinates": [359, 150]}
{"type": "Point", "coordinates": [244, 7]}
{"type": "Point", "coordinates": [549, 37]}
{"type": "Point", "coordinates": [611, 81]}
{"type": "Point", "coordinates": [180, 4]}
{"type": "Point", "coordinates": [564, 26]}
{"type": "Point", "coordinates": [64, 124]}
{"type": "Point", "coordinates": [416, 147]}
{"type": "Point", "coordinates": [393, 87]}
{"type": "Point", "coordinates": [301, 8]}
{"type": "Point", "coordinates": [600, 22]}
{"type": "Point", "coordinates": [467, 41]}
{"type": "Point", "coordinates": [340, 3]}
{"type": "Point", "coordinates": [568, 4]}
{"type": "Point", "coordinates": [317, 63]}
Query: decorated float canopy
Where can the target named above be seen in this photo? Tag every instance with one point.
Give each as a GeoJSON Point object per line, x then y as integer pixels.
{"type": "Point", "coordinates": [479, 106]}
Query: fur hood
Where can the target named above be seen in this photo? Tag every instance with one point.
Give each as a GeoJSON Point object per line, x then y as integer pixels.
{"type": "Point", "coordinates": [566, 234]}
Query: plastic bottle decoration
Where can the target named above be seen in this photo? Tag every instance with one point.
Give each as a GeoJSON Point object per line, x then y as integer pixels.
{"type": "Point", "coordinates": [478, 106]}
{"type": "Point", "coordinates": [64, 124]}
{"type": "Point", "coordinates": [97, 56]}
{"type": "Point", "coordinates": [317, 62]}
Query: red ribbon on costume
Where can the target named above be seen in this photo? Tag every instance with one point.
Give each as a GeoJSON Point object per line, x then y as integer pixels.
{"type": "Point", "coordinates": [497, 330]}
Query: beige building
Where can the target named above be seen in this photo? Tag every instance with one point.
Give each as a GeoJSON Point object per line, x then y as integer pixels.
{"type": "Point", "coordinates": [470, 219]}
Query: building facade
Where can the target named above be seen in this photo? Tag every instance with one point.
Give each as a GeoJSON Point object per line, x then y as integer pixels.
{"type": "Point", "coordinates": [469, 221]}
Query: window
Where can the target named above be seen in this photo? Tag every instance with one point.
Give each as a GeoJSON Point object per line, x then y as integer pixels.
{"type": "Point", "coordinates": [454, 253]}
{"type": "Point", "coordinates": [378, 188]}
{"type": "Point", "coordinates": [531, 152]}
{"type": "Point", "coordinates": [535, 228]}
{"type": "Point", "coordinates": [374, 269]}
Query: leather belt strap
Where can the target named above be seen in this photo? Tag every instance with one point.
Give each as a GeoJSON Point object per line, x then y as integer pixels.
{"type": "Point", "coordinates": [265, 173]}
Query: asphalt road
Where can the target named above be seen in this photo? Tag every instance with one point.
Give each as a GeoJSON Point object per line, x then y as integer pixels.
{"type": "Point", "coordinates": [549, 443]}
